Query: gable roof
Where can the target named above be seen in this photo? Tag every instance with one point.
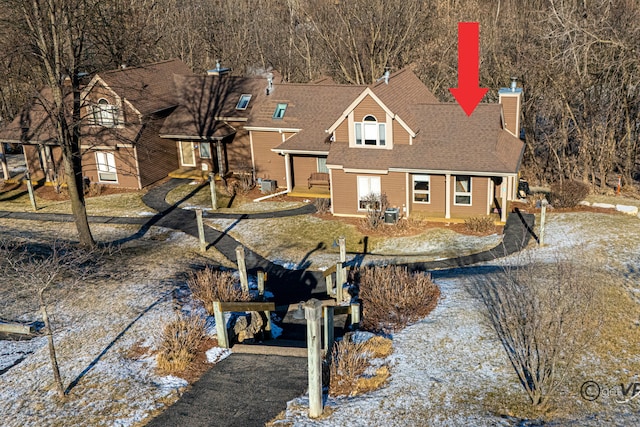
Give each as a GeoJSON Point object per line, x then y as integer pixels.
{"type": "Point", "coordinates": [448, 140]}
{"type": "Point", "coordinates": [206, 101]}
{"type": "Point", "coordinates": [148, 88]}
{"type": "Point", "coordinates": [310, 108]}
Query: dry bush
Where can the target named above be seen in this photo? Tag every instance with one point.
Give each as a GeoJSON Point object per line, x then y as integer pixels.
{"type": "Point", "coordinates": [349, 363]}
{"type": "Point", "coordinates": [480, 224]}
{"type": "Point", "coordinates": [392, 297]}
{"type": "Point", "coordinates": [179, 343]}
{"type": "Point", "coordinates": [545, 315]}
{"type": "Point", "coordinates": [322, 205]}
{"type": "Point", "coordinates": [211, 285]}
{"type": "Point", "coordinates": [245, 182]}
{"type": "Point", "coordinates": [376, 205]}
{"type": "Point", "coordinates": [568, 194]}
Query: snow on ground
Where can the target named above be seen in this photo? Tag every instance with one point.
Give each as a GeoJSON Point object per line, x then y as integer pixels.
{"type": "Point", "coordinates": [446, 368]}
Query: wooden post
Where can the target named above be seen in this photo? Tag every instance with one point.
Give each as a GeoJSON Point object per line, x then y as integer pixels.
{"type": "Point", "coordinates": [203, 241]}
{"type": "Point", "coordinates": [329, 282]}
{"type": "Point", "coordinates": [313, 314]}
{"type": "Point", "coordinates": [342, 242]}
{"type": "Point", "coordinates": [328, 329]}
{"type": "Point", "coordinates": [260, 282]}
{"type": "Point", "coordinates": [267, 328]}
{"type": "Point", "coordinates": [242, 269]}
{"type": "Point", "coordinates": [221, 325]}
{"type": "Point", "coordinates": [355, 314]}
{"type": "Point", "coordinates": [212, 187]}
{"type": "Point", "coordinates": [340, 279]}
{"type": "Point", "coordinates": [543, 214]}
{"type": "Point", "coordinates": [32, 196]}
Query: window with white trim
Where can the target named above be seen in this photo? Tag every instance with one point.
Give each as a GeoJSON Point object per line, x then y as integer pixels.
{"type": "Point", "coordinates": [421, 189]}
{"type": "Point", "coordinates": [105, 114]}
{"type": "Point", "coordinates": [370, 132]}
{"type": "Point", "coordinates": [243, 103]}
{"type": "Point", "coordinates": [462, 195]}
{"type": "Point", "coordinates": [106, 165]}
{"type": "Point", "coordinates": [205, 150]}
{"type": "Point", "coordinates": [368, 186]}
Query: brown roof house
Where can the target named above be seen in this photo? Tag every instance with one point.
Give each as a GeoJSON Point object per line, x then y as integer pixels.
{"type": "Point", "coordinates": [208, 124]}
{"type": "Point", "coordinates": [122, 113]}
{"type": "Point", "coordinates": [392, 137]}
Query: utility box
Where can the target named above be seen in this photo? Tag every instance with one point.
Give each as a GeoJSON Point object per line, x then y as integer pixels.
{"type": "Point", "coordinates": [268, 186]}
{"type": "Point", "coordinates": [391, 215]}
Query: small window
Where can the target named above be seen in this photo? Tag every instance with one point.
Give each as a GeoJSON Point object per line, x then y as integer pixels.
{"type": "Point", "coordinates": [105, 114]}
{"type": "Point", "coordinates": [280, 109]}
{"type": "Point", "coordinates": [369, 191]}
{"type": "Point", "coordinates": [463, 190]}
{"type": "Point", "coordinates": [205, 150]}
{"type": "Point", "coordinates": [421, 188]}
{"type": "Point", "coordinates": [244, 102]}
{"type": "Point", "coordinates": [106, 165]}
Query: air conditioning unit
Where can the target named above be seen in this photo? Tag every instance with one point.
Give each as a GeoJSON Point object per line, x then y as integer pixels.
{"type": "Point", "coordinates": [391, 215]}
{"type": "Point", "coordinates": [268, 186]}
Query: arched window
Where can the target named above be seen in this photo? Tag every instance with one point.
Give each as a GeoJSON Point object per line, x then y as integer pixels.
{"type": "Point", "coordinates": [370, 132]}
{"type": "Point", "coordinates": [105, 114]}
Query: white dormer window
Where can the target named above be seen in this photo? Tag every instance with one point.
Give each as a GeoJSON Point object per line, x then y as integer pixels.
{"type": "Point", "coordinates": [105, 114]}
{"type": "Point", "coordinates": [370, 132]}
{"type": "Point", "coordinates": [243, 103]}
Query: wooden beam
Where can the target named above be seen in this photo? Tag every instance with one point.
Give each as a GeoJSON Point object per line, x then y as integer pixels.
{"type": "Point", "coordinates": [247, 306]}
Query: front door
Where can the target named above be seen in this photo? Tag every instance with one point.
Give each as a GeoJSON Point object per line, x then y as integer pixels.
{"type": "Point", "coordinates": [187, 153]}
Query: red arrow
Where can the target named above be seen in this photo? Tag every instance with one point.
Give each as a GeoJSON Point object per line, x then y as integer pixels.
{"type": "Point", "coordinates": [468, 93]}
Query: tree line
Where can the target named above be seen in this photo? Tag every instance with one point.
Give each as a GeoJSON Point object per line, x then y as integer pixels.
{"type": "Point", "coordinates": [577, 60]}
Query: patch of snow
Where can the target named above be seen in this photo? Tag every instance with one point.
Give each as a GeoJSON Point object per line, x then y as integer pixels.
{"type": "Point", "coordinates": [629, 210]}
{"type": "Point", "coordinates": [216, 354]}
{"type": "Point", "coordinates": [603, 205]}
{"type": "Point", "coordinates": [11, 352]}
{"type": "Point", "coordinates": [170, 382]}
{"type": "Point", "coordinates": [146, 213]}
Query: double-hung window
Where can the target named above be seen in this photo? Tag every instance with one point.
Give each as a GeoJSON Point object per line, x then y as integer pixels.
{"type": "Point", "coordinates": [370, 132]}
{"type": "Point", "coordinates": [421, 188]}
{"type": "Point", "coordinates": [106, 165]}
{"type": "Point", "coordinates": [369, 191]}
{"type": "Point", "coordinates": [105, 114]}
{"type": "Point", "coordinates": [462, 194]}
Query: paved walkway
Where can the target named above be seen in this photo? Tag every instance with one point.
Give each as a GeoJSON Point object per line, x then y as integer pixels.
{"type": "Point", "coordinates": [248, 390]}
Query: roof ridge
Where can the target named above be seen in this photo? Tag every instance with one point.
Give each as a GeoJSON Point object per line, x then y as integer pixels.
{"type": "Point", "coordinates": [136, 67]}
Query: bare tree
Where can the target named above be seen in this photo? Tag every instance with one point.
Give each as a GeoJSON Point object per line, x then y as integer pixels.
{"type": "Point", "coordinates": [37, 270]}
{"type": "Point", "coordinates": [543, 316]}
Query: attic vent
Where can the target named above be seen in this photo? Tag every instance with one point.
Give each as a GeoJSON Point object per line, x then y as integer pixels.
{"type": "Point", "coordinates": [269, 83]}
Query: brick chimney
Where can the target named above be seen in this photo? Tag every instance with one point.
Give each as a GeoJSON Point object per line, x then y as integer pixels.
{"type": "Point", "coordinates": [511, 100]}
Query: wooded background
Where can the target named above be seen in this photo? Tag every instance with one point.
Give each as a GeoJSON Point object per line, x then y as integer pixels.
{"type": "Point", "coordinates": [578, 61]}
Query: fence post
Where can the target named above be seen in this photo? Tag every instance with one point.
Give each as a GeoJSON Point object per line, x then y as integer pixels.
{"type": "Point", "coordinates": [543, 212]}
{"type": "Point", "coordinates": [355, 314]}
{"type": "Point", "coordinates": [242, 269]}
{"type": "Point", "coordinates": [260, 282]}
{"type": "Point", "coordinates": [221, 325]}
{"type": "Point", "coordinates": [203, 241]}
{"type": "Point", "coordinates": [328, 329]}
{"type": "Point", "coordinates": [313, 314]}
{"type": "Point", "coordinates": [342, 242]}
{"type": "Point", "coordinates": [329, 283]}
{"type": "Point", "coordinates": [340, 279]}
{"type": "Point", "coordinates": [212, 187]}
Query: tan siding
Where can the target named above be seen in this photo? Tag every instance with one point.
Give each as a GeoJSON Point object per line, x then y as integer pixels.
{"type": "Point", "coordinates": [156, 156]}
{"type": "Point", "coordinates": [369, 106]}
{"type": "Point", "coordinates": [125, 168]}
{"type": "Point", "coordinates": [400, 134]}
{"type": "Point", "coordinates": [478, 199]}
{"type": "Point", "coordinates": [510, 108]}
{"type": "Point", "coordinates": [345, 193]}
{"type": "Point", "coordinates": [437, 204]}
{"type": "Point", "coordinates": [269, 165]}
{"type": "Point", "coordinates": [239, 151]}
{"type": "Point", "coordinates": [394, 186]}
{"type": "Point", "coordinates": [342, 131]}
{"type": "Point", "coordinates": [303, 167]}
